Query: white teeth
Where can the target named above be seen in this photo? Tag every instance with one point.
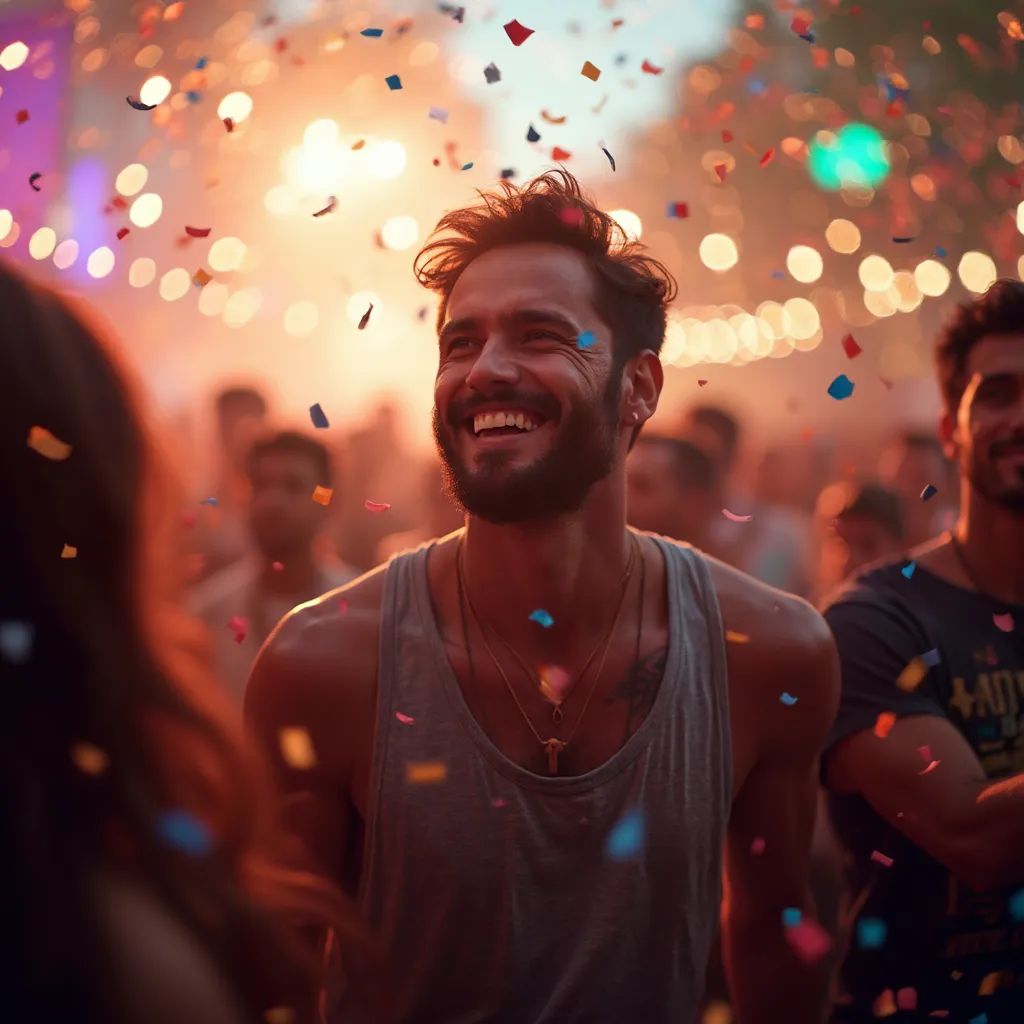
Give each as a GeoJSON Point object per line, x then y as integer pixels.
{"type": "Point", "coordinates": [490, 420]}
{"type": "Point", "coordinates": [519, 420]}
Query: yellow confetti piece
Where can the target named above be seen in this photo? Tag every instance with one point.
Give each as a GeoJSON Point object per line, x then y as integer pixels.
{"type": "Point", "coordinates": [322, 495]}
{"type": "Point", "coordinates": [590, 71]}
{"type": "Point", "coordinates": [732, 637]}
{"type": "Point", "coordinates": [47, 444]}
{"type": "Point", "coordinates": [279, 1015]}
{"type": "Point", "coordinates": [426, 771]}
{"type": "Point", "coordinates": [297, 747]}
{"type": "Point", "coordinates": [910, 678]}
{"type": "Point", "coordinates": [88, 758]}
{"type": "Point", "coordinates": [68, 551]}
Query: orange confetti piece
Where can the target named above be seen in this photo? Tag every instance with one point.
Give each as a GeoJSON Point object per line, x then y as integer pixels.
{"type": "Point", "coordinates": [590, 71]}
{"type": "Point", "coordinates": [297, 748]}
{"type": "Point", "coordinates": [323, 495]}
{"type": "Point", "coordinates": [279, 1015]}
{"type": "Point", "coordinates": [88, 758]}
{"type": "Point", "coordinates": [421, 772]}
{"type": "Point", "coordinates": [732, 637]}
{"type": "Point", "coordinates": [358, 144]}
{"type": "Point", "coordinates": [910, 678]}
{"type": "Point", "coordinates": [201, 278]}
{"type": "Point", "coordinates": [884, 723]}
{"type": "Point", "coordinates": [560, 154]}
{"type": "Point", "coordinates": [68, 551]}
{"type": "Point", "coordinates": [48, 445]}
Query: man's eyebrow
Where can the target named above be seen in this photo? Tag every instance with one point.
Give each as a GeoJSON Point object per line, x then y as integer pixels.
{"type": "Point", "coordinates": [516, 317]}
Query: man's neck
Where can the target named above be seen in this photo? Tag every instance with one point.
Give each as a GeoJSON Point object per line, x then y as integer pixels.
{"type": "Point", "coordinates": [992, 540]}
{"type": "Point", "coordinates": [297, 574]}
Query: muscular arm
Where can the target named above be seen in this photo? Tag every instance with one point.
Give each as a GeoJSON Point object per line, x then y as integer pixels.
{"type": "Point", "coordinates": [776, 803]}
{"type": "Point", "coordinates": [972, 826]}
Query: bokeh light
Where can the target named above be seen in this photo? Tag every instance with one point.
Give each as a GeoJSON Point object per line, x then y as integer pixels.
{"type": "Point", "coordinates": [131, 178]}
{"type": "Point", "coordinates": [932, 278]}
{"type": "Point", "coordinates": [301, 318]}
{"type": "Point", "coordinates": [386, 160]}
{"type": "Point", "coordinates": [175, 284]}
{"type": "Point", "coordinates": [631, 224]}
{"type": "Point", "coordinates": [146, 210]}
{"type": "Point", "coordinates": [875, 273]}
{"type": "Point", "coordinates": [242, 306]}
{"type": "Point", "coordinates": [1020, 217]}
{"type": "Point", "coordinates": [100, 262]}
{"type": "Point", "coordinates": [843, 236]}
{"type": "Point", "coordinates": [400, 232]}
{"type": "Point", "coordinates": [977, 271]}
{"type": "Point", "coordinates": [13, 55]}
{"type": "Point", "coordinates": [853, 157]}
{"type": "Point", "coordinates": [155, 90]}
{"type": "Point", "coordinates": [6, 220]}
{"type": "Point", "coordinates": [236, 105]}
{"type": "Point", "coordinates": [212, 298]}
{"type": "Point", "coordinates": [41, 244]}
{"type": "Point", "coordinates": [804, 321]}
{"type": "Point", "coordinates": [227, 253]}
{"type": "Point", "coordinates": [718, 252]}
{"type": "Point", "coordinates": [141, 272]}
{"type": "Point", "coordinates": [804, 263]}
{"type": "Point", "coordinates": [65, 254]}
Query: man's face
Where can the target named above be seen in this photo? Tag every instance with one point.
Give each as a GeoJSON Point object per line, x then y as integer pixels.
{"type": "Point", "coordinates": [510, 345]}
{"type": "Point", "coordinates": [987, 435]}
{"type": "Point", "coordinates": [282, 515]}
{"type": "Point", "coordinates": [658, 502]}
{"type": "Point", "coordinates": [238, 426]}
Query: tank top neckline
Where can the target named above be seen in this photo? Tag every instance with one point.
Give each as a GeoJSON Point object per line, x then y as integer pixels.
{"type": "Point", "coordinates": [562, 784]}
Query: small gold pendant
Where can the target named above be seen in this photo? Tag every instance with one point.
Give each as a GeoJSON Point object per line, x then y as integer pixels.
{"type": "Point", "coordinates": [553, 748]}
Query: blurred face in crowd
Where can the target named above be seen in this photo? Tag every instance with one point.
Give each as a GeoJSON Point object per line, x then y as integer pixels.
{"type": "Point", "coordinates": [283, 518]}
{"type": "Point", "coordinates": [986, 433]}
{"type": "Point", "coordinates": [526, 421]}
{"type": "Point", "coordinates": [659, 501]}
{"type": "Point", "coordinates": [851, 542]}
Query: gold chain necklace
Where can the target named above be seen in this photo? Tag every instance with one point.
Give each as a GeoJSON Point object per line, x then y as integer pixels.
{"type": "Point", "coordinates": [553, 746]}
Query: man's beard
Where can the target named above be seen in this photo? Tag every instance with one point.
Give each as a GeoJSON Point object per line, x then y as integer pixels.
{"type": "Point", "coordinates": [985, 479]}
{"type": "Point", "coordinates": [556, 483]}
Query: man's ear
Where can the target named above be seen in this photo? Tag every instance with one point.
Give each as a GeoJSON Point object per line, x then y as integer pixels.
{"type": "Point", "coordinates": [642, 389]}
{"type": "Point", "coordinates": [948, 435]}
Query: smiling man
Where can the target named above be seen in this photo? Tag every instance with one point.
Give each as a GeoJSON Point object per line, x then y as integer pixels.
{"type": "Point", "coordinates": [925, 760]}
{"type": "Point", "coordinates": [534, 745]}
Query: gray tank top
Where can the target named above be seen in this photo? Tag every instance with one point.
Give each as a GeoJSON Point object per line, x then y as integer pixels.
{"type": "Point", "coordinates": [506, 896]}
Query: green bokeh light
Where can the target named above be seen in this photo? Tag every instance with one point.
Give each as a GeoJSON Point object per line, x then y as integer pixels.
{"type": "Point", "coordinates": [854, 156]}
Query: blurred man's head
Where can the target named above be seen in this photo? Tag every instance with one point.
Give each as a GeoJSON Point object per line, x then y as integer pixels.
{"type": "Point", "coordinates": [241, 414]}
{"type": "Point", "coordinates": [283, 470]}
{"type": "Point", "coordinates": [549, 329]}
{"type": "Point", "coordinates": [715, 430]}
{"type": "Point", "coordinates": [672, 488]}
{"type": "Point", "coordinates": [980, 361]}
{"type": "Point", "coordinates": [858, 523]}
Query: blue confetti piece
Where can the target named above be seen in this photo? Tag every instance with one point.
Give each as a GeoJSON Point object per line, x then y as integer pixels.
{"type": "Point", "coordinates": [777, 275]}
{"type": "Point", "coordinates": [791, 917]}
{"type": "Point", "coordinates": [1017, 905]}
{"type": "Point", "coordinates": [372, 33]}
{"type": "Point", "coordinates": [201, 63]}
{"type": "Point", "coordinates": [940, 252]}
{"type": "Point", "coordinates": [586, 339]}
{"type": "Point", "coordinates": [626, 839]}
{"type": "Point", "coordinates": [532, 135]}
{"type": "Point", "coordinates": [756, 86]}
{"type": "Point", "coordinates": [807, 37]}
{"type": "Point", "coordinates": [394, 82]}
{"type": "Point", "coordinates": [318, 416]}
{"type": "Point", "coordinates": [841, 387]}
{"type": "Point", "coordinates": [871, 932]}
{"type": "Point", "coordinates": [788, 699]}
{"type": "Point", "coordinates": [466, 167]}
{"type": "Point", "coordinates": [211, 501]}
{"type": "Point", "coordinates": [982, 1018]}
{"type": "Point", "coordinates": [184, 832]}
{"type": "Point", "coordinates": [542, 617]}
{"type": "Point", "coordinates": [931, 658]}
{"type": "Point", "coordinates": [193, 96]}
{"type": "Point", "coordinates": [908, 569]}
{"type": "Point", "coordinates": [930, 490]}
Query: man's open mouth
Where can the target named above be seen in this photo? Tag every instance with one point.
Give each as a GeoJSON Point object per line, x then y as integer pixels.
{"type": "Point", "coordinates": [504, 422]}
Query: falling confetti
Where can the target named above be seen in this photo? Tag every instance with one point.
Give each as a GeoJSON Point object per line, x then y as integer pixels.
{"type": "Point", "coordinates": [197, 232]}
{"type": "Point", "coordinates": [788, 699]}
{"type": "Point", "coordinates": [297, 748]}
{"type": "Point", "coordinates": [871, 933]}
{"type": "Point", "coordinates": [808, 940]}
{"type": "Point", "coordinates": [559, 154]}
{"type": "Point", "coordinates": [735, 517]}
{"type": "Point", "coordinates": [626, 839]}
{"type": "Point", "coordinates": [929, 491]}
{"type": "Point", "coordinates": [372, 33]}
{"type": "Point", "coordinates": [517, 33]}
{"type": "Point", "coordinates": [201, 278]}
{"type": "Point", "coordinates": [791, 917]}
{"type": "Point", "coordinates": [404, 719]}
{"type": "Point", "coordinates": [332, 203]}
{"type": "Point", "coordinates": [184, 832]}
{"type": "Point", "coordinates": [757, 847]}
{"type": "Point", "coordinates": [732, 637]}
{"type": "Point", "coordinates": [586, 339]}
{"type": "Point", "coordinates": [532, 135]}
{"type": "Point", "coordinates": [239, 625]}
{"type": "Point", "coordinates": [881, 858]}
{"type": "Point", "coordinates": [701, 382]}
{"type": "Point", "coordinates": [88, 758]}
{"type": "Point", "coordinates": [908, 569]}
{"type": "Point", "coordinates": [32, 179]}
{"type": "Point", "coordinates": [318, 417]}
{"type": "Point", "coordinates": [279, 1015]}
{"type": "Point", "coordinates": [438, 114]}
{"type": "Point", "coordinates": [767, 157]}
{"type": "Point", "coordinates": [1004, 622]}
{"type": "Point", "coordinates": [1016, 905]}
{"type": "Point", "coordinates": [912, 675]}
{"type": "Point", "coordinates": [375, 506]}
{"type": "Point", "coordinates": [649, 69]}
{"type": "Point", "coordinates": [69, 551]}
{"type": "Point", "coordinates": [365, 318]}
{"type": "Point", "coordinates": [841, 387]}
{"type": "Point", "coordinates": [884, 723]}
{"type": "Point", "coordinates": [850, 347]}
{"type": "Point", "coordinates": [277, 566]}
{"type": "Point", "coordinates": [906, 999]}
{"type": "Point", "coordinates": [611, 159]}
{"type": "Point", "coordinates": [394, 82]}
{"type": "Point", "coordinates": [492, 74]}
{"type": "Point", "coordinates": [679, 210]}
{"type": "Point", "coordinates": [421, 772]}
{"type": "Point", "coordinates": [552, 119]}
{"type": "Point", "coordinates": [138, 104]}
{"type": "Point", "coordinates": [322, 495]}
{"type": "Point", "coordinates": [590, 71]}
{"type": "Point", "coordinates": [16, 640]}
{"type": "Point", "coordinates": [21, 117]}
{"type": "Point", "coordinates": [211, 501]}
{"type": "Point", "coordinates": [721, 170]}
{"type": "Point", "coordinates": [48, 445]}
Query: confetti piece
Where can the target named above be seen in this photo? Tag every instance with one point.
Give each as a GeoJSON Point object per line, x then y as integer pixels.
{"type": "Point", "coordinates": [931, 658]}
{"type": "Point", "coordinates": [911, 676]}
{"type": "Point", "coordinates": [940, 252]}
{"type": "Point", "coordinates": [88, 758]}
{"type": "Point", "coordinates": [197, 232]}
{"type": "Point", "coordinates": [679, 210]}
{"type": "Point", "coordinates": [318, 417]}
{"type": "Point", "coordinates": [466, 167]}
{"type": "Point", "coordinates": [541, 617]}
{"type": "Point", "coordinates": [21, 117]}
{"type": "Point", "coordinates": [850, 347]}
{"type": "Point", "coordinates": [332, 203]}
{"type": "Point", "coordinates": [735, 517]}
{"type": "Point", "coordinates": [611, 159]}
{"type": "Point", "coordinates": [277, 566]}
{"type": "Point", "coordinates": [788, 699]}
{"type": "Point", "coordinates": [499, 802]}
{"type": "Point", "coordinates": [757, 847]}
{"type": "Point", "coordinates": [841, 387]}
{"type": "Point", "coordinates": [871, 932]}
{"type": "Point", "coordinates": [906, 999]}
{"type": "Point", "coordinates": [48, 445]}
{"type": "Point", "coordinates": [193, 96]}
{"type": "Point", "coordinates": [560, 154]}
{"type": "Point", "coordinates": [32, 179]}
{"type": "Point", "coordinates": [211, 501]}
{"type": "Point", "coordinates": [229, 123]}
{"type": "Point", "coordinates": [884, 723]}
{"type": "Point", "coordinates": [791, 917]}
{"type": "Point", "coordinates": [902, 238]}
{"type": "Point", "coordinates": [322, 495]}
{"type": "Point", "coordinates": [426, 771]}
{"type": "Point", "coordinates": [404, 719]}
{"type": "Point", "coordinates": [492, 74]}
{"type": "Point", "coordinates": [1003, 622]}
{"type": "Point", "coordinates": [732, 637]}
{"type": "Point", "coordinates": [184, 832]}
{"type": "Point", "coordinates": [929, 491]}
{"type": "Point", "coordinates": [808, 940]}
{"type": "Point", "coordinates": [586, 339]}
{"type": "Point", "coordinates": [649, 69]}
{"type": "Point", "coordinates": [1016, 905]}
{"type": "Point", "coordinates": [590, 71]}
{"type": "Point", "coordinates": [552, 119]}
{"type": "Point", "coordinates": [123, 233]}
{"type": "Point", "coordinates": [438, 114]}
{"type": "Point", "coordinates": [297, 748]}
{"type": "Point", "coordinates": [929, 768]}
{"type": "Point", "coordinates": [517, 33]}
{"type": "Point", "coordinates": [767, 157]}
{"type": "Point", "coordinates": [201, 278]}
{"type": "Point", "coordinates": [800, 26]}
{"type": "Point", "coordinates": [68, 551]}
{"type": "Point", "coordinates": [365, 318]}
{"type": "Point", "coordinates": [626, 839]}
{"type": "Point", "coordinates": [532, 135]}
{"type": "Point", "coordinates": [138, 104]}
{"type": "Point", "coordinates": [908, 569]}
{"type": "Point", "coordinates": [727, 135]}
{"type": "Point", "coordinates": [721, 170]}
{"type": "Point", "coordinates": [982, 1018]}
{"type": "Point", "coordinates": [16, 639]}
{"type": "Point", "coordinates": [372, 33]}
{"type": "Point", "coordinates": [880, 858]}
{"type": "Point", "coordinates": [239, 625]}
{"type": "Point", "coordinates": [343, 606]}
{"type": "Point", "coordinates": [375, 506]}
{"type": "Point", "coordinates": [279, 1015]}
{"type": "Point", "coordinates": [394, 82]}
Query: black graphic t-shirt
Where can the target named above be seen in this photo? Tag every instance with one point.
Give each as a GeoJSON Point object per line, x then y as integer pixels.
{"type": "Point", "coordinates": [960, 951]}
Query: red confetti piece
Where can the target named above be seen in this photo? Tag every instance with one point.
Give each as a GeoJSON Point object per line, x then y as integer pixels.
{"type": "Point", "coordinates": [591, 71]}
{"type": "Point", "coordinates": [850, 347]}
{"type": "Point", "coordinates": [517, 33]}
{"type": "Point", "coordinates": [881, 858]}
{"type": "Point", "coordinates": [884, 723]}
{"type": "Point", "coordinates": [404, 719]}
{"type": "Point", "coordinates": [571, 215]}
{"type": "Point", "coordinates": [735, 517]}
{"type": "Point", "coordinates": [365, 318]}
{"type": "Point", "coordinates": [197, 232]}
{"type": "Point", "coordinates": [239, 625]}
{"type": "Point", "coordinates": [21, 116]}
{"type": "Point", "coordinates": [681, 210]}
{"type": "Point", "coordinates": [375, 506]}
{"type": "Point", "coordinates": [906, 999]}
{"type": "Point", "coordinates": [767, 157]}
{"type": "Point", "coordinates": [727, 135]}
{"type": "Point", "coordinates": [701, 383]}
{"type": "Point", "coordinates": [229, 124]}
{"type": "Point", "coordinates": [122, 233]}
{"type": "Point", "coordinates": [560, 154]}
{"type": "Point", "coordinates": [808, 940]}
{"type": "Point", "coordinates": [801, 26]}
{"type": "Point", "coordinates": [650, 69]}
{"type": "Point", "coordinates": [119, 203]}
{"type": "Point", "coordinates": [721, 170]}
{"type": "Point", "coordinates": [323, 495]}
{"type": "Point", "coordinates": [1004, 622]}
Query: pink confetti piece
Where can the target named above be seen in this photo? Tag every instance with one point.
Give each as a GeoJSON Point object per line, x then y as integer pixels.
{"type": "Point", "coordinates": [404, 719]}
{"type": "Point", "coordinates": [239, 625]}
{"type": "Point", "coordinates": [1004, 622]}
{"type": "Point", "coordinates": [757, 847]}
{"type": "Point", "coordinates": [808, 940]}
{"type": "Point", "coordinates": [499, 802]}
{"type": "Point", "coordinates": [930, 768]}
{"type": "Point", "coordinates": [277, 566]}
{"type": "Point", "coordinates": [375, 506]}
{"type": "Point", "coordinates": [735, 517]}
{"type": "Point", "coordinates": [925, 752]}
{"type": "Point", "coordinates": [881, 858]}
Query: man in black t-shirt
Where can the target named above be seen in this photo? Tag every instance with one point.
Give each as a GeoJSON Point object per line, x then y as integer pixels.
{"type": "Point", "coordinates": [925, 762]}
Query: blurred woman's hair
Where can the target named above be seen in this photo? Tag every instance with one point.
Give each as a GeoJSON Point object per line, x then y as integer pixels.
{"type": "Point", "coordinates": [119, 749]}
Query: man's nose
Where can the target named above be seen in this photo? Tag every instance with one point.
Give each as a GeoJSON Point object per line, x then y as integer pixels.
{"type": "Point", "coordinates": [495, 364]}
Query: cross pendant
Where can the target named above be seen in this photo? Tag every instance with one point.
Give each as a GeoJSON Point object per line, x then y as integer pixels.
{"type": "Point", "coordinates": [553, 748]}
